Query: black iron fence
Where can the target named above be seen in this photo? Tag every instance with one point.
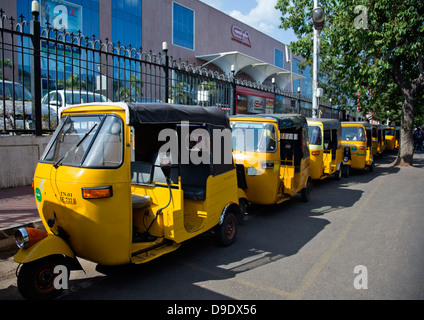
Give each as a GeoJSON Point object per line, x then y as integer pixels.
{"type": "Point", "coordinates": [42, 70]}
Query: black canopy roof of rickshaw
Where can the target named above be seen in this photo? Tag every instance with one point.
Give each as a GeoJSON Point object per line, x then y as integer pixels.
{"type": "Point", "coordinates": [327, 122]}
{"type": "Point", "coordinates": [156, 113]}
{"type": "Point", "coordinates": [367, 125]}
{"type": "Point", "coordinates": [284, 121]}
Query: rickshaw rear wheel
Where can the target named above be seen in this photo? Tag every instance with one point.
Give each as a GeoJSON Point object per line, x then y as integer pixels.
{"type": "Point", "coordinates": [346, 171]}
{"type": "Point", "coordinates": [36, 279]}
{"type": "Point", "coordinates": [338, 174]}
{"type": "Point", "coordinates": [305, 193]}
{"type": "Point", "coordinates": [227, 231]}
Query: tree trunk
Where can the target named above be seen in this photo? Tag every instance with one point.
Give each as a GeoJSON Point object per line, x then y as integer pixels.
{"type": "Point", "coordinates": [406, 148]}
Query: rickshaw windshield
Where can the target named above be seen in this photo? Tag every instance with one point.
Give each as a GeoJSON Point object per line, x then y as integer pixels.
{"type": "Point", "coordinates": [315, 137]}
{"type": "Point", "coordinates": [390, 132]}
{"type": "Point", "coordinates": [353, 134]}
{"type": "Point", "coordinates": [258, 137]}
{"type": "Point", "coordinates": [87, 141]}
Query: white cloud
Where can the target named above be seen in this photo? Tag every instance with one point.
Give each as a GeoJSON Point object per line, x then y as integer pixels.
{"type": "Point", "coordinates": [263, 17]}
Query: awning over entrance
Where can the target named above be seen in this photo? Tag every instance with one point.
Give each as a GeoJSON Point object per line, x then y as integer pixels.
{"type": "Point", "coordinates": [258, 70]}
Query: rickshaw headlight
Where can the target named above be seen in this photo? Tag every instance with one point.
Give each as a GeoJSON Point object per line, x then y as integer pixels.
{"type": "Point", "coordinates": [21, 237]}
{"type": "Point", "coordinates": [345, 159]}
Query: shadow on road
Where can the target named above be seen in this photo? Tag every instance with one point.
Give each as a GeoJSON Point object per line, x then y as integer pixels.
{"type": "Point", "coordinates": [270, 233]}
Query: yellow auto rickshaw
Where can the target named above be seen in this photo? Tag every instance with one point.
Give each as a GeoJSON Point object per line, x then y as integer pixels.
{"type": "Point", "coordinates": [272, 157]}
{"type": "Point", "coordinates": [392, 142]}
{"type": "Point", "coordinates": [378, 140]}
{"type": "Point", "coordinates": [325, 148]}
{"type": "Point", "coordinates": [357, 144]}
{"type": "Point", "coordinates": [126, 183]}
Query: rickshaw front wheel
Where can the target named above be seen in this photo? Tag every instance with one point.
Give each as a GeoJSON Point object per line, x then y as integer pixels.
{"type": "Point", "coordinates": [227, 231]}
{"type": "Point", "coordinates": [36, 279]}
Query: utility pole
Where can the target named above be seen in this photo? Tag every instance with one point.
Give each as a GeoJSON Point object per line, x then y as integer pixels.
{"type": "Point", "coordinates": [318, 19]}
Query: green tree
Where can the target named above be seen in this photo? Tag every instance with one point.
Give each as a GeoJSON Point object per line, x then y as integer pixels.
{"type": "Point", "coordinates": [179, 93]}
{"type": "Point", "coordinates": [373, 49]}
{"type": "Point", "coordinates": [72, 82]}
{"type": "Point", "coordinates": [130, 90]}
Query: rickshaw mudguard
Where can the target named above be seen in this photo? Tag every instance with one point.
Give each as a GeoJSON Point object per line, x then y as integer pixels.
{"type": "Point", "coordinates": [50, 245]}
{"type": "Point", "coordinates": [231, 207]}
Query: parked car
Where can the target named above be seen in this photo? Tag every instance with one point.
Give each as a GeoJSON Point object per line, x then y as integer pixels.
{"type": "Point", "coordinates": [62, 98]}
{"type": "Point", "coordinates": [18, 102]}
{"type": "Point", "coordinates": [18, 111]}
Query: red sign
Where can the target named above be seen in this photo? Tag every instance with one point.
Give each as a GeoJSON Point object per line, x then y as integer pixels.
{"type": "Point", "coordinates": [240, 35]}
{"type": "Point", "coordinates": [253, 101]}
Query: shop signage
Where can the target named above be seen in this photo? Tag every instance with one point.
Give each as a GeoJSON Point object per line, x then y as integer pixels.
{"type": "Point", "coordinates": [254, 101]}
{"type": "Point", "coordinates": [61, 15]}
{"type": "Point", "coordinates": [240, 35]}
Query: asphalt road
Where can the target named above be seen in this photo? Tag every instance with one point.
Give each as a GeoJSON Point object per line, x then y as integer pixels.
{"type": "Point", "coordinates": [360, 238]}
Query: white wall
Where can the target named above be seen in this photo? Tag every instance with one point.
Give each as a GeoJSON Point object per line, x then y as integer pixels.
{"type": "Point", "coordinates": [18, 158]}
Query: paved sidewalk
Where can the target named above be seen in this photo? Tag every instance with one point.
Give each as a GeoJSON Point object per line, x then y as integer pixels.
{"type": "Point", "coordinates": [17, 206]}
{"type": "Point", "coordinates": [17, 209]}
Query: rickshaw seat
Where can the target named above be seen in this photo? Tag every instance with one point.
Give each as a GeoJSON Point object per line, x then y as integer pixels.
{"type": "Point", "coordinates": [193, 180]}
{"type": "Point", "coordinates": [140, 202]}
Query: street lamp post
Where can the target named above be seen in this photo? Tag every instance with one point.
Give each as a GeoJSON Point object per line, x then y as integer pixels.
{"type": "Point", "coordinates": [233, 84]}
{"type": "Point", "coordinates": [298, 105]}
{"type": "Point", "coordinates": [318, 19]}
{"type": "Point", "coordinates": [166, 70]}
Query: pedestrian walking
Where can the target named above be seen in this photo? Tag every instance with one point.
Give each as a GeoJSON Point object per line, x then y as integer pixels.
{"type": "Point", "coordinates": [418, 139]}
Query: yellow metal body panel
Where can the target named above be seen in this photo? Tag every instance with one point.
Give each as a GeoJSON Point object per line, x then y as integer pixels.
{"type": "Point", "coordinates": [361, 154]}
{"type": "Point", "coordinates": [391, 141]}
{"type": "Point", "coordinates": [263, 184]}
{"type": "Point", "coordinates": [152, 254]}
{"type": "Point", "coordinates": [101, 230]}
{"type": "Point", "coordinates": [273, 184]}
{"type": "Point", "coordinates": [48, 246]}
{"type": "Point", "coordinates": [183, 218]}
{"type": "Point", "coordinates": [322, 164]}
{"type": "Point", "coordinates": [378, 143]}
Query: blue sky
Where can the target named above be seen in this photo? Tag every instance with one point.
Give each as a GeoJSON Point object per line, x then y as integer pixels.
{"type": "Point", "coordinates": [259, 14]}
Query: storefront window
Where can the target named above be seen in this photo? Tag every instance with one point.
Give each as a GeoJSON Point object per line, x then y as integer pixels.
{"type": "Point", "coordinates": [183, 26]}
{"type": "Point", "coordinates": [126, 22]}
{"type": "Point", "coordinates": [278, 58]}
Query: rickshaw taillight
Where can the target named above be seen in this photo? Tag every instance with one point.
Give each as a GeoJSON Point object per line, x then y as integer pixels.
{"type": "Point", "coordinates": [97, 192]}
{"type": "Point", "coordinates": [315, 153]}
{"type": "Point", "coordinates": [26, 237]}
{"type": "Point", "coordinates": [362, 148]}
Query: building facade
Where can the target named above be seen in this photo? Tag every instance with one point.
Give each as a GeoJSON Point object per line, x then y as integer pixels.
{"type": "Point", "coordinates": [193, 31]}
